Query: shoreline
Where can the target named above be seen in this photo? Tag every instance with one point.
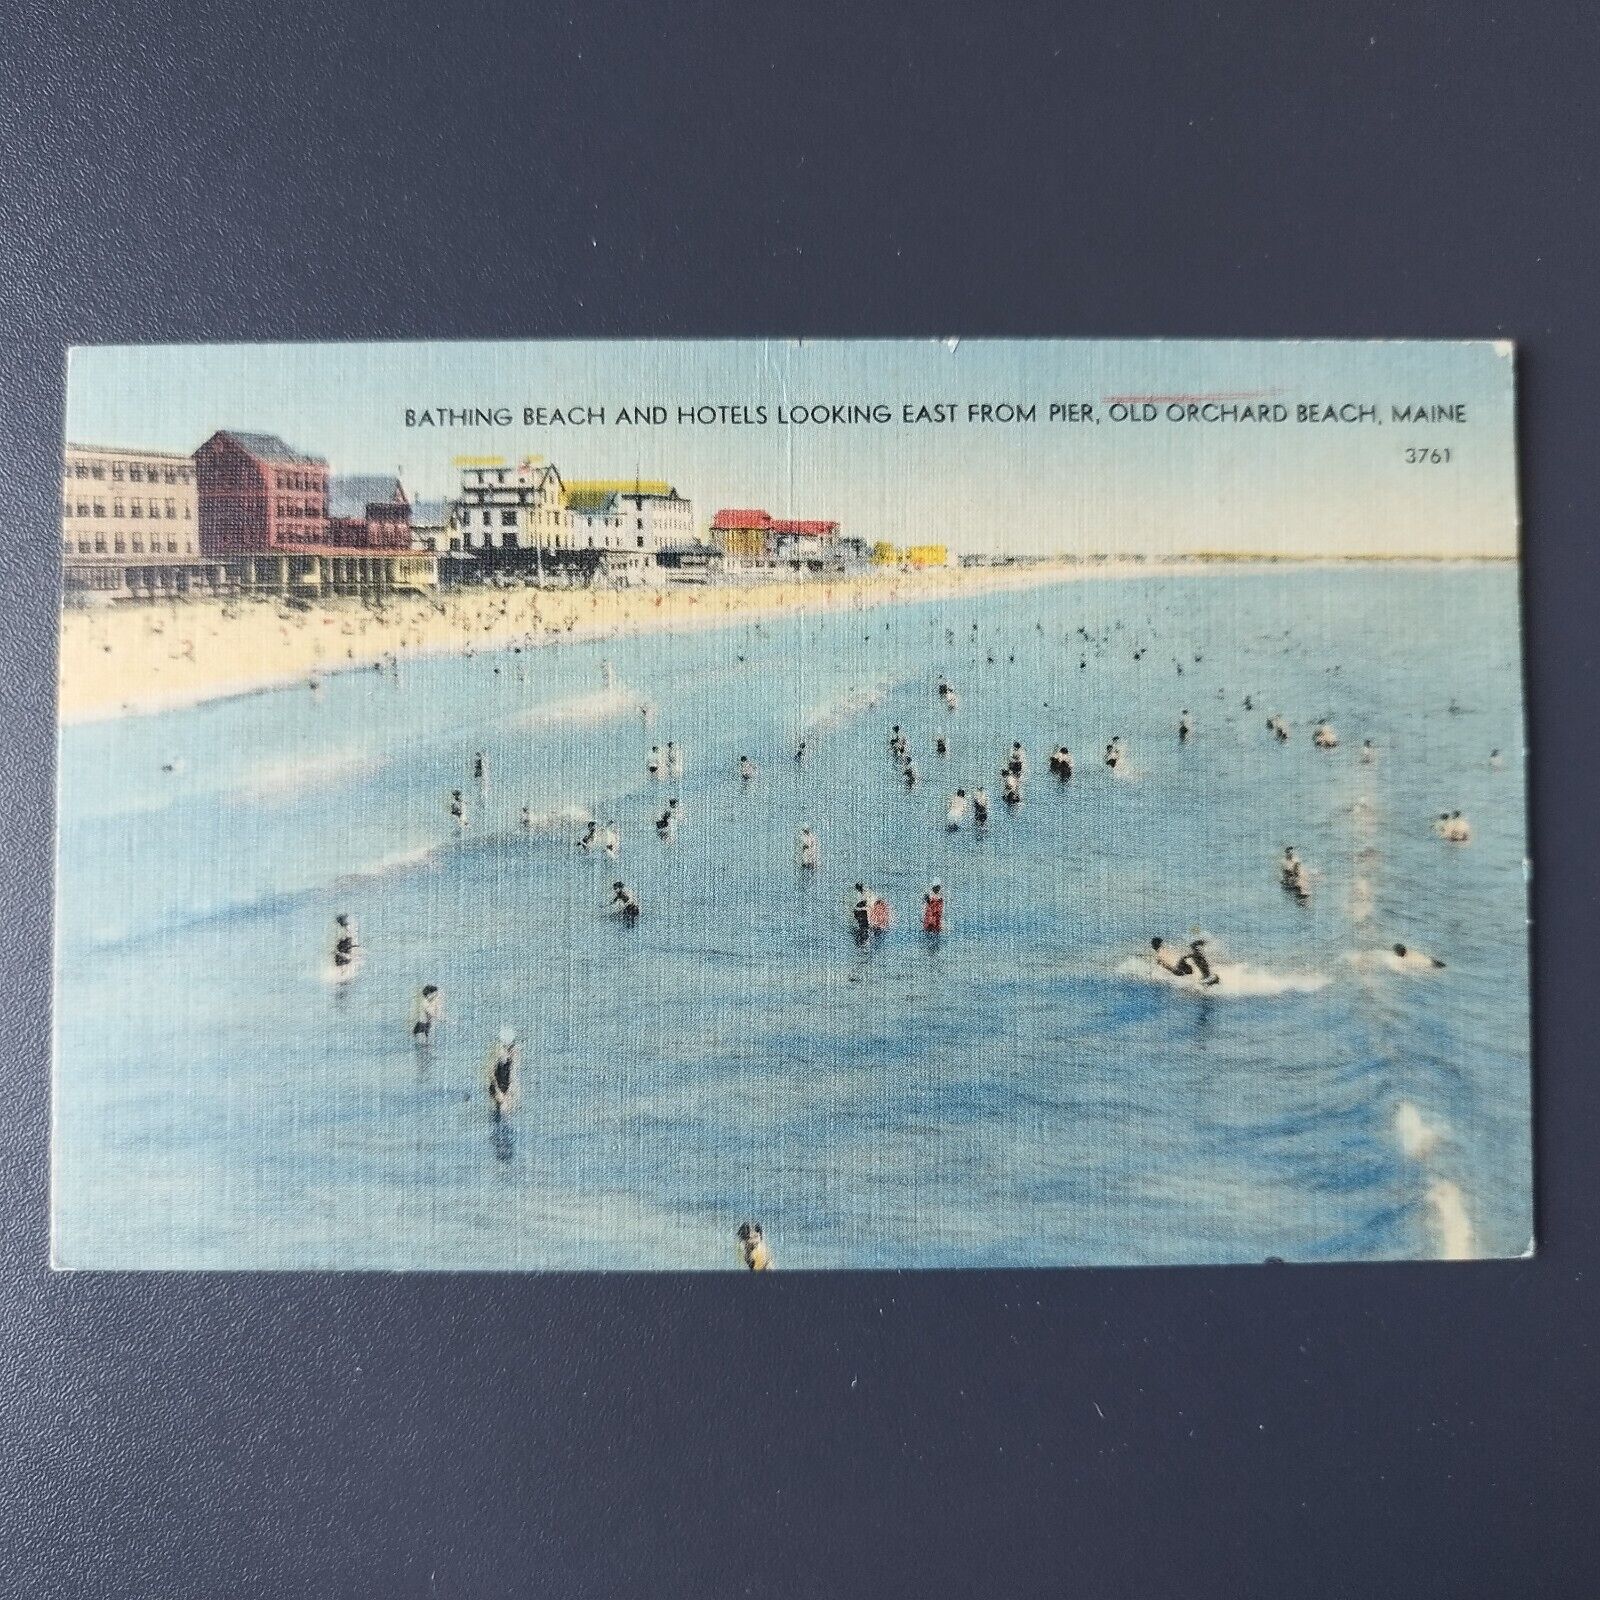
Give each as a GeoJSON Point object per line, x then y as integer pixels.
{"type": "Point", "coordinates": [204, 651]}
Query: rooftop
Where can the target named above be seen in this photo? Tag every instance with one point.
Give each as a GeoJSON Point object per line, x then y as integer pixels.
{"type": "Point", "coordinates": [269, 447]}
{"type": "Point", "coordinates": [349, 494]}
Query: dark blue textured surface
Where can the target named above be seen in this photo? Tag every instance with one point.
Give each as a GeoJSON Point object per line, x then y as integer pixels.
{"type": "Point", "coordinates": [210, 172]}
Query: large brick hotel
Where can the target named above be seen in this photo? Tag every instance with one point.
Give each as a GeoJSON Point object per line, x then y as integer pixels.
{"type": "Point", "coordinates": [245, 514]}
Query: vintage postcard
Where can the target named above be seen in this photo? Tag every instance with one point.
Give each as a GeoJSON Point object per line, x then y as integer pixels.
{"type": "Point", "coordinates": [735, 805]}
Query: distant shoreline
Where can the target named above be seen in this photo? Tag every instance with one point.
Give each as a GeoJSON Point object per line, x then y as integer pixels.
{"type": "Point", "coordinates": [191, 652]}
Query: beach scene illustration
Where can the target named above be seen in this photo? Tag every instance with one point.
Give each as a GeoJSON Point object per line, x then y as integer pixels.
{"type": "Point", "coordinates": [777, 805]}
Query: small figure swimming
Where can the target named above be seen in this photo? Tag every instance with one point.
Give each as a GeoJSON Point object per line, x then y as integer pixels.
{"type": "Point", "coordinates": [591, 836]}
{"type": "Point", "coordinates": [807, 850]}
{"type": "Point", "coordinates": [933, 910]}
{"type": "Point", "coordinates": [1184, 963]}
{"type": "Point", "coordinates": [624, 903]}
{"type": "Point", "coordinates": [980, 808]}
{"type": "Point", "coordinates": [347, 953]}
{"type": "Point", "coordinates": [956, 811]}
{"type": "Point", "coordinates": [747, 770]}
{"type": "Point", "coordinates": [1185, 728]}
{"type": "Point", "coordinates": [503, 1072]}
{"type": "Point", "coordinates": [1292, 874]}
{"type": "Point", "coordinates": [426, 1010]}
{"type": "Point", "coordinates": [1324, 737]}
{"type": "Point", "coordinates": [1415, 960]}
{"type": "Point", "coordinates": [753, 1248]}
{"type": "Point", "coordinates": [458, 811]}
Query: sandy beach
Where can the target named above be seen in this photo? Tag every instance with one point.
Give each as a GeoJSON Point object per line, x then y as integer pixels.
{"type": "Point", "coordinates": [150, 657]}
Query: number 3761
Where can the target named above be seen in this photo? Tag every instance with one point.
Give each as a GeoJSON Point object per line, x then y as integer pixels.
{"type": "Point", "coordinates": [1421, 455]}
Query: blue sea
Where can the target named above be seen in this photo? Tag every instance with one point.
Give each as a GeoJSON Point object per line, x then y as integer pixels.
{"type": "Point", "coordinates": [1024, 1089]}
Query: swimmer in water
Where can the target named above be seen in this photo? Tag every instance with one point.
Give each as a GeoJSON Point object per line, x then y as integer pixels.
{"type": "Point", "coordinates": [674, 760]}
{"type": "Point", "coordinates": [980, 807]}
{"type": "Point", "coordinates": [807, 851]}
{"type": "Point", "coordinates": [652, 765]}
{"type": "Point", "coordinates": [897, 742]}
{"type": "Point", "coordinates": [800, 753]}
{"type": "Point", "coordinates": [1017, 762]}
{"type": "Point", "coordinates": [667, 822]}
{"type": "Point", "coordinates": [1185, 728]}
{"type": "Point", "coordinates": [933, 910]}
{"type": "Point", "coordinates": [747, 769]}
{"type": "Point", "coordinates": [503, 1072]}
{"type": "Point", "coordinates": [591, 836]}
{"type": "Point", "coordinates": [426, 1010]}
{"type": "Point", "coordinates": [1293, 874]}
{"type": "Point", "coordinates": [1369, 753]}
{"type": "Point", "coordinates": [1010, 788]}
{"type": "Point", "coordinates": [1323, 736]}
{"type": "Point", "coordinates": [909, 773]}
{"type": "Point", "coordinates": [753, 1251]}
{"type": "Point", "coordinates": [1457, 830]}
{"type": "Point", "coordinates": [1497, 761]}
{"type": "Point", "coordinates": [527, 820]}
{"type": "Point", "coordinates": [861, 911]}
{"type": "Point", "coordinates": [1113, 755]}
{"type": "Point", "coordinates": [1190, 963]}
{"type": "Point", "coordinates": [458, 810]}
{"type": "Point", "coordinates": [956, 812]}
{"type": "Point", "coordinates": [480, 768]}
{"type": "Point", "coordinates": [941, 745]}
{"type": "Point", "coordinates": [612, 840]}
{"type": "Point", "coordinates": [346, 946]}
{"type": "Point", "coordinates": [1416, 959]}
{"type": "Point", "coordinates": [624, 903]}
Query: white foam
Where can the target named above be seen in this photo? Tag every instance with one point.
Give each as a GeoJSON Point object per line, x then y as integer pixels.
{"type": "Point", "coordinates": [556, 821]}
{"type": "Point", "coordinates": [1457, 1241]}
{"type": "Point", "coordinates": [414, 855]}
{"type": "Point", "coordinates": [1417, 1138]}
{"type": "Point", "coordinates": [852, 703]}
{"type": "Point", "coordinates": [1234, 979]}
{"type": "Point", "coordinates": [599, 705]}
{"type": "Point", "coordinates": [286, 776]}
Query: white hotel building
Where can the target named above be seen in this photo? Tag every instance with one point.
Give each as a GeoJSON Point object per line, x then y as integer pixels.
{"type": "Point", "coordinates": [525, 516]}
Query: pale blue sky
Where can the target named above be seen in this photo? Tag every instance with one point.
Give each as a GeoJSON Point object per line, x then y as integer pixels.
{"type": "Point", "coordinates": [1294, 488]}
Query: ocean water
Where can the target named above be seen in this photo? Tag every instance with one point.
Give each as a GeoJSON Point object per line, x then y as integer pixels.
{"type": "Point", "coordinates": [1023, 1090]}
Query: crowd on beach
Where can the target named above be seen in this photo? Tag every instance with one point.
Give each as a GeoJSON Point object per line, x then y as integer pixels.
{"type": "Point", "coordinates": [150, 656]}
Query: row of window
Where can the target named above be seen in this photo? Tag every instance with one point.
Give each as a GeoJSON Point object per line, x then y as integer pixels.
{"type": "Point", "coordinates": [298, 480]}
{"type": "Point", "coordinates": [135, 508]}
{"type": "Point", "coordinates": [132, 474]}
{"type": "Point", "coordinates": [119, 547]}
{"type": "Point", "coordinates": [292, 508]}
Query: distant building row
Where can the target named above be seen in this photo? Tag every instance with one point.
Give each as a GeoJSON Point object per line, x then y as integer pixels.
{"type": "Point", "coordinates": [244, 513]}
{"type": "Point", "coordinates": [523, 517]}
